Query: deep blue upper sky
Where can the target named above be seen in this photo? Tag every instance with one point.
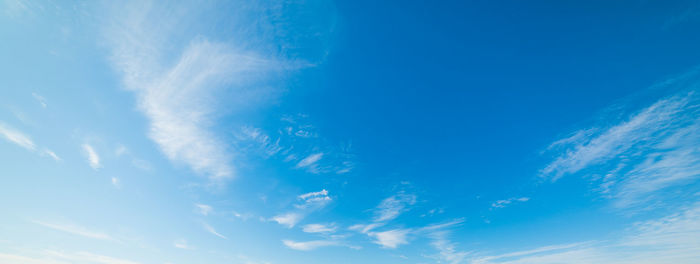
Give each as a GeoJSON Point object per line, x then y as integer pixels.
{"type": "Point", "coordinates": [349, 132]}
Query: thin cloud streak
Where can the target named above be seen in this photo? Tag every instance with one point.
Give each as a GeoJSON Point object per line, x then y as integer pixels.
{"type": "Point", "coordinates": [76, 230]}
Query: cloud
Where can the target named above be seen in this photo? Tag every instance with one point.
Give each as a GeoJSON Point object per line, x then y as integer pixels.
{"type": "Point", "coordinates": [314, 199]}
{"type": "Point", "coordinates": [182, 244]}
{"type": "Point", "coordinates": [635, 160]}
{"type": "Point", "coordinates": [51, 154]}
{"type": "Point", "coordinates": [211, 230]}
{"type": "Point", "coordinates": [390, 208]}
{"type": "Point", "coordinates": [311, 202]}
{"type": "Point", "coordinates": [447, 251]}
{"type": "Point", "coordinates": [20, 139]}
{"type": "Point", "coordinates": [87, 257]}
{"type": "Point", "coordinates": [309, 245]}
{"type": "Point", "coordinates": [76, 230]}
{"type": "Point", "coordinates": [40, 99]}
{"type": "Point", "coordinates": [115, 182]}
{"type": "Point", "coordinates": [391, 238]}
{"type": "Point", "coordinates": [93, 158]}
{"type": "Point", "coordinates": [669, 239]}
{"type": "Point", "coordinates": [288, 219]}
{"type": "Point", "coordinates": [56, 257]}
{"type": "Point", "coordinates": [310, 163]}
{"type": "Point", "coordinates": [178, 94]}
{"type": "Point", "coordinates": [318, 228]}
{"type": "Point", "coordinates": [506, 202]}
{"type": "Point", "coordinates": [17, 137]}
{"type": "Point", "coordinates": [204, 209]}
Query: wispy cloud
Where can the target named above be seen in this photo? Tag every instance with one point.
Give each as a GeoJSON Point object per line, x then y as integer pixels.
{"type": "Point", "coordinates": [310, 202]}
{"type": "Point", "coordinates": [634, 160]}
{"type": "Point", "coordinates": [447, 250]}
{"type": "Point", "coordinates": [670, 239]}
{"type": "Point", "coordinates": [20, 139]}
{"type": "Point", "coordinates": [76, 230]}
{"type": "Point", "coordinates": [40, 99]}
{"type": "Point", "coordinates": [390, 208]}
{"type": "Point", "coordinates": [310, 162]}
{"type": "Point", "coordinates": [179, 98]}
{"type": "Point", "coordinates": [309, 245]}
{"type": "Point", "coordinates": [288, 219]}
{"type": "Point", "coordinates": [87, 257]}
{"type": "Point", "coordinates": [17, 137]}
{"type": "Point", "coordinates": [213, 231]}
{"type": "Point", "coordinates": [319, 228]}
{"type": "Point", "coordinates": [182, 244]}
{"type": "Point", "coordinates": [204, 209]}
{"type": "Point", "coordinates": [60, 257]}
{"type": "Point", "coordinates": [391, 238]}
{"type": "Point", "coordinates": [92, 156]}
{"type": "Point", "coordinates": [506, 202]}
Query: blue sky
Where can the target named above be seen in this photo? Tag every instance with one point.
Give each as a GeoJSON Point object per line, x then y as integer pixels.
{"type": "Point", "coordinates": [317, 131]}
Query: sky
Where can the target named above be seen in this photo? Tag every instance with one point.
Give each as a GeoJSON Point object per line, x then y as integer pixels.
{"type": "Point", "coordinates": [313, 131]}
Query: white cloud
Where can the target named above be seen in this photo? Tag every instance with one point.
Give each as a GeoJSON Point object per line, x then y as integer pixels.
{"type": "Point", "coordinates": [17, 137]}
{"type": "Point", "coordinates": [57, 257]}
{"type": "Point", "coordinates": [391, 238]}
{"type": "Point", "coordinates": [390, 208]}
{"type": "Point", "coordinates": [670, 239]}
{"type": "Point", "coordinates": [506, 202]}
{"type": "Point", "coordinates": [319, 228]}
{"type": "Point", "coordinates": [447, 251]}
{"type": "Point", "coordinates": [314, 199]}
{"type": "Point", "coordinates": [211, 230]}
{"type": "Point", "coordinates": [310, 162]}
{"type": "Point", "coordinates": [310, 202]}
{"type": "Point", "coordinates": [87, 257]}
{"type": "Point", "coordinates": [179, 94]}
{"type": "Point", "coordinates": [115, 182]}
{"type": "Point", "coordinates": [633, 161]}
{"type": "Point", "coordinates": [24, 141]}
{"type": "Point", "coordinates": [309, 245]}
{"type": "Point", "coordinates": [289, 219]}
{"type": "Point", "coordinates": [76, 230]}
{"type": "Point", "coordinates": [40, 99]}
{"type": "Point", "coordinates": [204, 209]}
{"type": "Point", "coordinates": [362, 228]}
{"type": "Point", "coordinates": [182, 244]}
{"type": "Point", "coordinates": [93, 158]}
{"type": "Point", "coordinates": [51, 154]}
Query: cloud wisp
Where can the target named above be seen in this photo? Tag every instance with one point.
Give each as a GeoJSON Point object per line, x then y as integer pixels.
{"type": "Point", "coordinates": [178, 93]}
{"type": "Point", "coordinates": [92, 156]}
{"type": "Point", "coordinates": [76, 230]}
{"type": "Point", "coordinates": [309, 202]}
{"type": "Point", "coordinates": [21, 139]}
{"type": "Point", "coordinates": [640, 158]}
{"type": "Point", "coordinates": [669, 239]}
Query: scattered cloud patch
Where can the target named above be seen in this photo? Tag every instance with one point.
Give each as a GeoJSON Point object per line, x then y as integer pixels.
{"type": "Point", "coordinates": [637, 159]}
{"type": "Point", "coordinates": [310, 162]}
{"type": "Point", "coordinates": [92, 157]}
{"type": "Point", "coordinates": [17, 137]}
{"type": "Point", "coordinates": [506, 202]}
{"type": "Point", "coordinates": [390, 208]}
{"type": "Point", "coordinates": [204, 209]}
{"type": "Point", "coordinates": [40, 99]}
{"type": "Point", "coordinates": [182, 244]}
{"type": "Point", "coordinates": [288, 219]}
{"type": "Point", "coordinates": [212, 231]}
{"type": "Point", "coordinates": [309, 245]}
{"type": "Point", "coordinates": [75, 230]}
{"type": "Point", "coordinates": [319, 228]}
{"type": "Point", "coordinates": [391, 238]}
